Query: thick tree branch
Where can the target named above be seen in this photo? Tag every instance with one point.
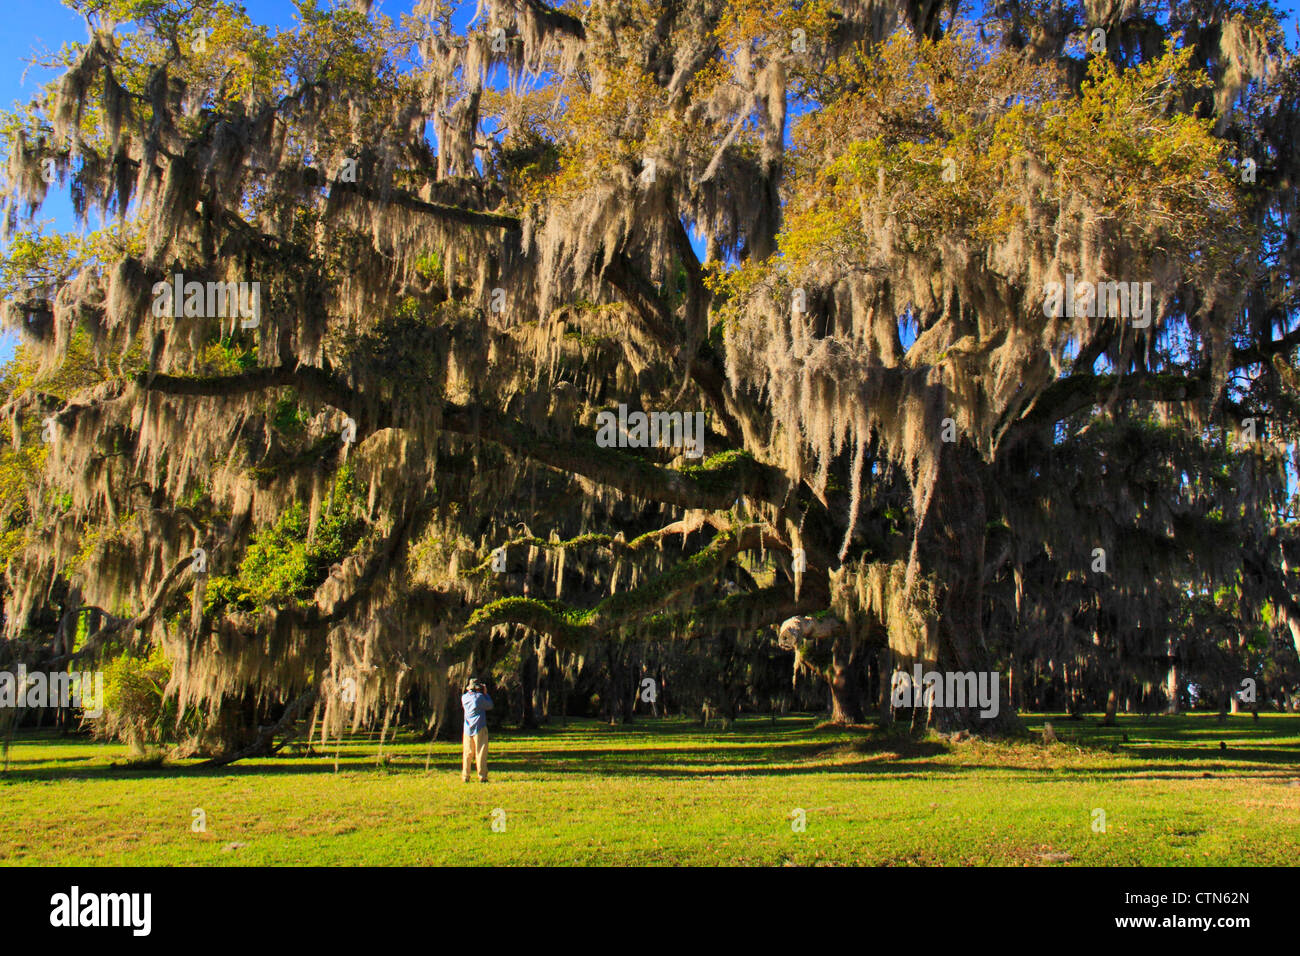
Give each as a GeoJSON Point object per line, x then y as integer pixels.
{"type": "Point", "coordinates": [262, 744]}
{"type": "Point", "coordinates": [713, 484]}
{"type": "Point", "coordinates": [120, 625]}
{"type": "Point", "coordinates": [1075, 393]}
{"type": "Point", "coordinates": [572, 629]}
{"type": "Point", "coordinates": [660, 324]}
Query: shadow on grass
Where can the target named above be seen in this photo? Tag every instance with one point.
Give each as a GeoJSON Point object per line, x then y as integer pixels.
{"type": "Point", "coordinates": [1277, 755]}
{"type": "Point", "coordinates": [801, 750]}
{"type": "Point", "coordinates": [791, 746]}
{"type": "Point", "coordinates": [1182, 727]}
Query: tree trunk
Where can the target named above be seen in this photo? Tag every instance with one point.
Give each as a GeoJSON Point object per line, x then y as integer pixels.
{"type": "Point", "coordinates": [1171, 689]}
{"type": "Point", "coordinates": [951, 555]}
{"type": "Point", "coordinates": [1077, 693]}
{"type": "Point", "coordinates": [885, 667]}
{"type": "Point", "coordinates": [845, 683]}
{"type": "Point", "coordinates": [527, 688]}
{"type": "Point", "coordinates": [631, 685]}
{"type": "Point", "coordinates": [611, 699]}
{"type": "Point", "coordinates": [1112, 707]}
{"type": "Point", "coordinates": [564, 689]}
{"type": "Point", "coordinates": [545, 680]}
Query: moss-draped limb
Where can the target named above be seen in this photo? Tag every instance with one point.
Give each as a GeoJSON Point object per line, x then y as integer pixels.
{"type": "Point", "coordinates": [162, 594]}
{"type": "Point", "coordinates": [391, 552]}
{"type": "Point", "coordinates": [572, 628]}
{"type": "Point", "coordinates": [615, 544]}
{"type": "Point", "coordinates": [712, 484]}
{"type": "Point", "coordinates": [264, 742]}
{"type": "Point", "coordinates": [444, 212]}
{"type": "Point", "coordinates": [655, 316]}
{"type": "Point", "coordinates": [1073, 394]}
{"type": "Point", "coordinates": [287, 463]}
{"type": "Point", "coordinates": [310, 381]}
{"type": "Point", "coordinates": [749, 610]}
{"type": "Point", "coordinates": [1267, 352]}
{"type": "Point", "coordinates": [658, 321]}
{"type": "Point", "coordinates": [554, 19]}
{"type": "Point", "coordinates": [569, 628]}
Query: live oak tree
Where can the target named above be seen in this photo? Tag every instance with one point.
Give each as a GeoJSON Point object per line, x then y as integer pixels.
{"type": "Point", "coordinates": [832, 227]}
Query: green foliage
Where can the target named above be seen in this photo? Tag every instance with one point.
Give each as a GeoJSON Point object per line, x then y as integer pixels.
{"type": "Point", "coordinates": [527, 157]}
{"type": "Point", "coordinates": [914, 108]}
{"type": "Point", "coordinates": [720, 471]}
{"type": "Point", "coordinates": [429, 266]}
{"type": "Point", "coordinates": [228, 356]}
{"type": "Point", "coordinates": [137, 710]}
{"type": "Point", "coordinates": [283, 565]}
{"type": "Point", "coordinates": [287, 417]}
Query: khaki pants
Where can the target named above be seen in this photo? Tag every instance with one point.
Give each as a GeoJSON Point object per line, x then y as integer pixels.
{"type": "Point", "coordinates": [475, 751]}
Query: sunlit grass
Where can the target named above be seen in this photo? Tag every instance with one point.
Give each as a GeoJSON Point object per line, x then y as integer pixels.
{"type": "Point", "coordinates": [670, 792]}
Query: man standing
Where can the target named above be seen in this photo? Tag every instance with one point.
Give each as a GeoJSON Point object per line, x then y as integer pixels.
{"type": "Point", "coordinates": [476, 703]}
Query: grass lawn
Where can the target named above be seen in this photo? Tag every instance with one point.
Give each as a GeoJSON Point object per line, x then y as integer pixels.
{"type": "Point", "coordinates": [670, 792]}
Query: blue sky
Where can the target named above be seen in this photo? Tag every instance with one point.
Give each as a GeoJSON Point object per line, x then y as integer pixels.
{"type": "Point", "coordinates": [34, 27]}
{"type": "Point", "coordinates": [31, 27]}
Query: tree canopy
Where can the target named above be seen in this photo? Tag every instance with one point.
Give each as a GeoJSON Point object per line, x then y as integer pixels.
{"type": "Point", "coordinates": [989, 312]}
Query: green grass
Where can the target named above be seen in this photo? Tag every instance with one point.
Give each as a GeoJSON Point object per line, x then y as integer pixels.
{"type": "Point", "coordinates": [669, 792]}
